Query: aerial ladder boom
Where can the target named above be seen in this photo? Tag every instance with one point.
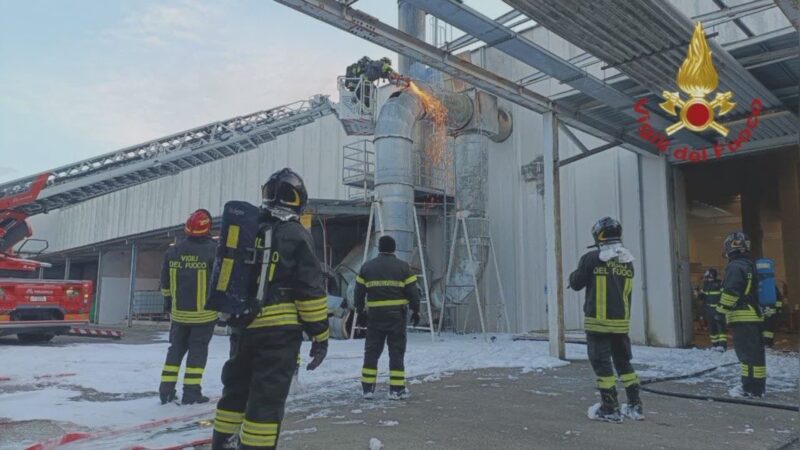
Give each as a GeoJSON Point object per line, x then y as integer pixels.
{"type": "Point", "coordinates": [93, 177]}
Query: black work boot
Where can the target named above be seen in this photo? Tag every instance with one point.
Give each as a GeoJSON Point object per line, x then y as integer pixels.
{"type": "Point", "coordinates": [368, 390]}
{"type": "Point", "coordinates": [224, 441]}
{"type": "Point", "coordinates": [167, 394]}
{"type": "Point", "coordinates": [398, 393]}
{"type": "Point", "coordinates": [633, 409]}
{"type": "Point", "coordinates": [193, 395]}
{"type": "Point", "coordinates": [609, 407]}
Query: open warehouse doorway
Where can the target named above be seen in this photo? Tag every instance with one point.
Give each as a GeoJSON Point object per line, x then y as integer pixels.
{"type": "Point", "coordinates": [758, 194]}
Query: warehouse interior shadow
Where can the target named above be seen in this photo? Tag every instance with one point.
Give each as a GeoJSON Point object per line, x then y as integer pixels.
{"type": "Point", "coordinates": [757, 194]}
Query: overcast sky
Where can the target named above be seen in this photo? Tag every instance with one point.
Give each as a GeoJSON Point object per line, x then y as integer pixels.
{"type": "Point", "coordinates": [80, 78]}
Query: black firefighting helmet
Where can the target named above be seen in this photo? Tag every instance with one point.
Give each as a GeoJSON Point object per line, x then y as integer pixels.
{"type": "Point", "coordinates": [711, 274]}
{"type": "Point", "coordinates": [285, 190]}
{"type": "Point", "coordinates": [606, 230]}
{"type": "Point", "coordinates": [736, 242]}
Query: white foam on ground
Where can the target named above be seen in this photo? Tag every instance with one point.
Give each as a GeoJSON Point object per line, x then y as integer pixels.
{"type": "Point", "coordinates": [121, 369]}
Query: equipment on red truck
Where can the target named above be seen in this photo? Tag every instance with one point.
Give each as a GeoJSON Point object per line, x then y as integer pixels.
{"type": "Point", "coordinates": [35, 310]}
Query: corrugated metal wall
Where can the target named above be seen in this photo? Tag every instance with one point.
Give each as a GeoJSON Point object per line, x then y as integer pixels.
{"type": "Point", "coordinates": [314, 150]}
{"type": "Point", "coordinates": [605, 184]}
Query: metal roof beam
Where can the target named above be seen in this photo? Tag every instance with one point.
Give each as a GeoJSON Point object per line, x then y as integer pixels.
{"type": "Point", "coordinates": [752, 147]}
{"type": "Point", "coordinates": [791, 10]}
{"type": "Point", "coordinates": [588, 153]}
{"type": "Point", "coordinates": [573, 138]}
{"type": "Point", "coordinates": [771, 57]}
{"type": "Point", "coordinates": [369, 28]}
{"type": "Point", "coordinates": [466, 39]}
{"type": "Point", "coordinates": [525, 50]}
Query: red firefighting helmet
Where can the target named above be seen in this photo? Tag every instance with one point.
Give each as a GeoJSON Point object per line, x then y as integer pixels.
{"type": "Point", "coordinates": [198, 223]}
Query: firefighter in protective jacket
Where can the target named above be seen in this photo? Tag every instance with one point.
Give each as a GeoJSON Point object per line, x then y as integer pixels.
{"type": "Point", "coordinates": [740, 305]}
{"type": "Point", "coordinates": [710, 294]}
{"type": "Point", "coordinates": [390, 289]}
{"type": "Point", "coordinates": [185, 278]}
{"type": "Point", "coordinates": [607, 275]}
{"type": "Point", "coordinates": [265, 348]}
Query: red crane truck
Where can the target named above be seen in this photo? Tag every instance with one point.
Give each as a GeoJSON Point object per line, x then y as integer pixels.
{"type": "Point", "coordinates": [33, 309]}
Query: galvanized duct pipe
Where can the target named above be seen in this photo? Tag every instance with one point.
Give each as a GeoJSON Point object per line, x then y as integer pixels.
{"type": "Point", "coordinates": [411, 21]}
{"type": "Point", "coordinates": [472, 179]}
{"type": "Point", "coordinates": [394, 174]}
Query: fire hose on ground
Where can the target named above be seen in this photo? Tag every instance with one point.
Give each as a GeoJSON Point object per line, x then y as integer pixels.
{"type": "Point", "coordinates": [736, 401]}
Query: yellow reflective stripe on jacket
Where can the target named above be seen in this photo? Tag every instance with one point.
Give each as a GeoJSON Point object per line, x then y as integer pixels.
{"type": "Point", "coordinates": [192, 317]}
{"type": "Point", "coordinates": [606, 325]}
{"type": "Point", "coordinates": [226, 269]}
{"type": "Point", "coordinates": [384, 283]}
{"type": "Point", "coordinates": [600, 296]}
{"type": "Point", "coordinates": [276, 315]}
{"type": "Point", "coordinates": [383, 303]}
{"type": "Point", "coordinates": [166, 292]}
{"type": "Point", "coordinates": [202, 284]}
{"type": "Point", "coordinates": [322, 336]}
{"type": "Point", "coordinates": [711, 292]}
{"type": "Point", "coordinates": [360, 280]}
{"type": "Point", "coordinates": [626, 297]}
{"type": "Point", "coordinates": [313, 310]}
{"type": "Point", "coordinates": [411, 279]}
{"type": "Point", "coordinates": [743, 315]}
{"type": "Point", "coordinates": [173, 283]}
{"type": "Point", "coordinates": [728, 300]}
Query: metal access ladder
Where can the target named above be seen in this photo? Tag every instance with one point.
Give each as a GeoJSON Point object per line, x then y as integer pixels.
{"type": "Point", "coordinates": [376, 213]}
{"type": "Point", "coordinates": [502, 312]}
{"type": "Point", "coordinates": [93, 177]}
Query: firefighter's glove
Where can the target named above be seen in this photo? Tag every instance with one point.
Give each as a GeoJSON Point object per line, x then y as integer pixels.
{"type": "Point", "coordinates": [769, 311]}
{"type": "Point", "coordinates": [318, 351]}
{"type": "Point", "coordinates": [167, 304]}
{"type": "Point", "coordinates": [415, 318]}
{"type": "Point", "coordinates": [363, 316]}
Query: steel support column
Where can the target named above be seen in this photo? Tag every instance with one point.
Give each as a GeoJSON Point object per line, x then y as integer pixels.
{"type": "Point", "coordinates": [552, 215]}
{"type": "Point", "coordinates": [132, 288]}
{"type": "Point", "coordinates": [67, 264]}
{"type": "Point", "coordinates": [97, 286]}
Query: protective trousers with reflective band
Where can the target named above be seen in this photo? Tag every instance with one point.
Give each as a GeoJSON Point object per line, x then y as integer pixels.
{"type": "Point", "coordinates": [609, 351]}
{"type": "Point", "coordinates": [750, 351]}
{"type": "Point", "coordinates": [768, 330]}
{"type": "Point", "coordinates": [256, 381]}
{"type": "Point", "coordinates": [717, 330]}
{"type": "Point", "coordinates": [387, 327]}
{"type": "Point", "coordinates": [184, 338]}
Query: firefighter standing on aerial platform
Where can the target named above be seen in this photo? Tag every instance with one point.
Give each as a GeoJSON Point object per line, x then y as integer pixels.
{"type": "Point", "coordinates": [709, 294]}
{"type": "Point", "coordinates": [607, 275]}
{"type": "Point", "coordinates": [740, 305]}
{"type": "Point", "coordinates": [390, 289]}
{"type": "Point", "coordinates": [264, 346]}
{"type": "Point", "coordinates": [185, 279]}
{"type": "Point", "coordinates": [368, 71]}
